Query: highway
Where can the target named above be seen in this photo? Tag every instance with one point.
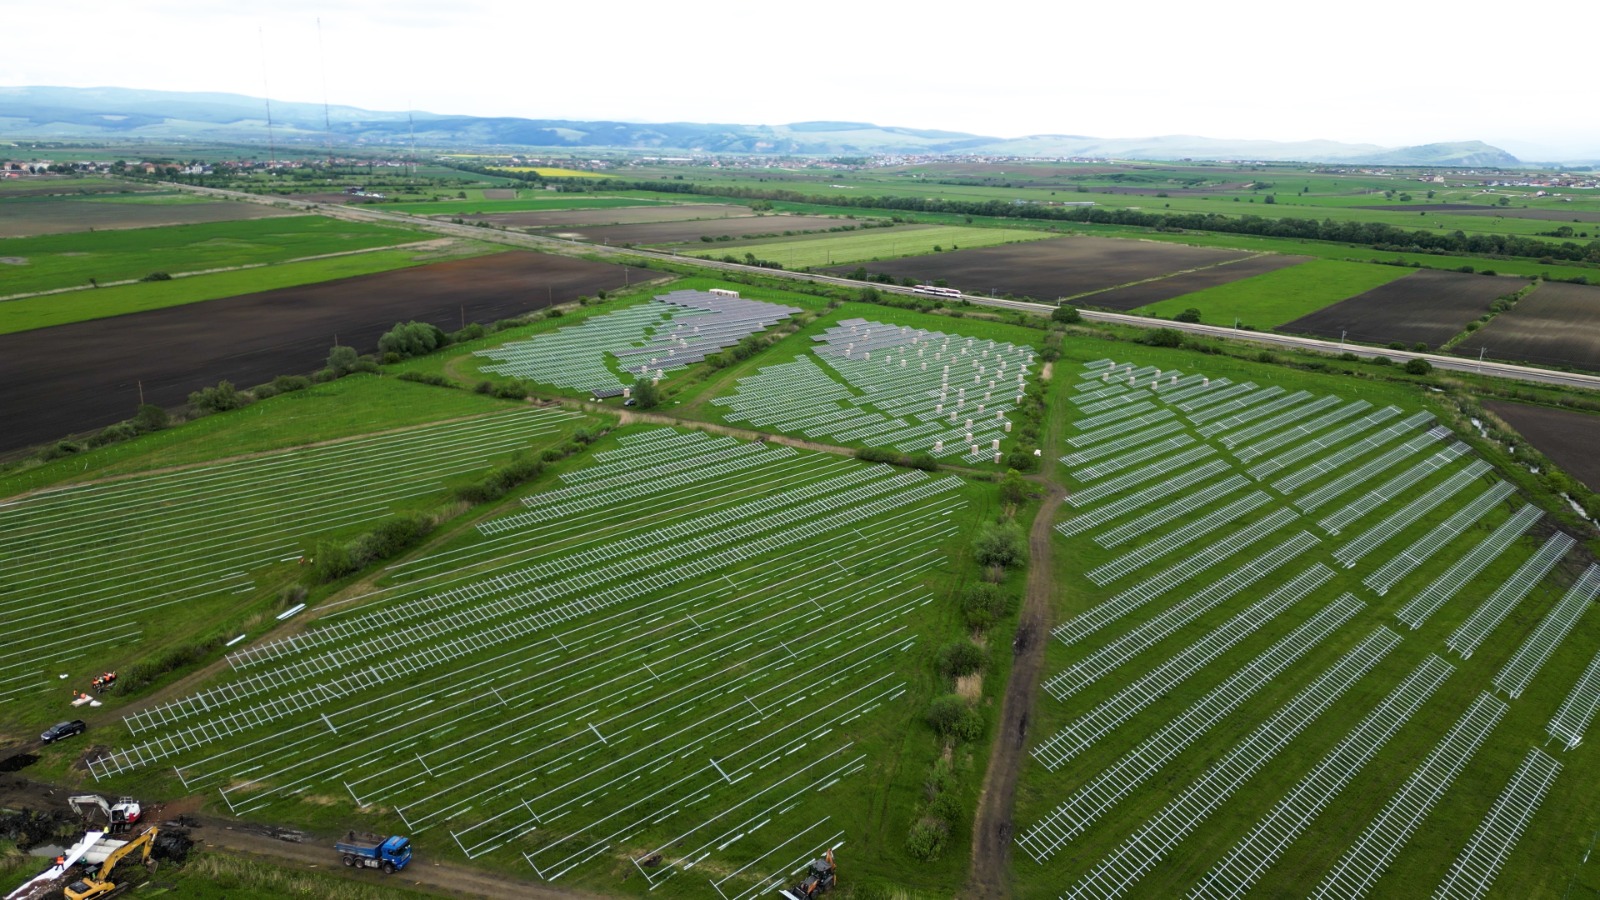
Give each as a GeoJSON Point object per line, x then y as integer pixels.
{"type": "Point", "coordinates": [363, 213]}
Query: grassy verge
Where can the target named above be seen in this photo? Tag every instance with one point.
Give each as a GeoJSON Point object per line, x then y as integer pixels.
{"type": "Point", "coordinates": [1273, 298]}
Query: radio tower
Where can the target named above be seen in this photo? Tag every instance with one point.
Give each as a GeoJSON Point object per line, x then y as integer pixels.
{"type": "Point", "coordinates": [272, 147]}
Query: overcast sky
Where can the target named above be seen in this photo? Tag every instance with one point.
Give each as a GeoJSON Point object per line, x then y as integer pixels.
{"type": "Point", "coordinates": [1392, 73]}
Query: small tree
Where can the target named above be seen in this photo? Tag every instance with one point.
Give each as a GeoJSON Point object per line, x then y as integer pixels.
{"type": "Point", "coordinates": [1189, 315]}
{"type": "Point", "coordinates": [1013, 488]}
{"type": "Point", "coordinates": [221, 398]}
{"type": "Point", "coordinates": [1418, 367]}
{"type": "Point", "coordinates": [998, 546]}
{"type": "Point", "coordinates": [959, 658]}
{"type": "Point", "coordinates": [151, 418]}
{"type": "Point", "coordinates": [342, 360]}
{"type": "Point", "coordinates": [1162, 337]}
{"type": "Point", "coordinates": [982, 605]}
{"type": "Point", "coordinates": [647, 394]}
{"type": "Point", "coordinates": [1066, 315]}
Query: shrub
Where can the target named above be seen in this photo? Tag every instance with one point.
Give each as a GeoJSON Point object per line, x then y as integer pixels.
{"type": "Point", "coordinates": [1418, 367]}
{"type": "Point", "coordinates": [111, 434]}
{"type": "Point", "coordinates": [343, 360]}
{"type": "Point", "coordinates": [927, 837]}
{"type": "Point", "coordinates": [1382, 361]}
{"type": "Point", "coordinates": [432, 378]}
{"type": "Point", "coordinates": [411, 339]}
{"type": "Point", "coordinates": [1162, 337]}
{"type": "Point", "coordinates": [1347, 356]}
{"type": "Point", "coordinates": [1067, 315]}
{"type": "Point", "coordinates": [472, 332]}
{"type": "Point", "coordinates": [483, 387]}
{"type": "Point", "coordinates": [521, 468]}
{"type": "Point", "coordinates": [151, 418]}
{"type": "Point", "coordinates": [389, 539]}
{"type": "Point", "coordinates": [285, 384]}
{"type": "Point", "coordinates": [221, 398]}
{"type": "Point", "coordinates": [959, 658]}
{"type": "Point", "coordinates": [145, 672]}
{"type": "Point", "coordinates": [1191, 315]}
{"type": "Point", "coordinates": [998, 546]}
{"type": "Point", "coordinates": [1397, 345]}
{"type": "Point", "coordinates": [511, 390]}
{"type": "Point", "coordinates": [982, 605]}
{"type": "Point", "coordinates": [60, 449]}
{"type": "Point", "coordinates": [1420, 347]}
{"type": "Point", "coordinates": [952, 718]}
{"type": "Point", "coordinates": [157, 276]}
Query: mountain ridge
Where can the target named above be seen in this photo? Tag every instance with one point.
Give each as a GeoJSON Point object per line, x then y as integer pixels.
{"type": "Point", "coordinates": [114, 112]}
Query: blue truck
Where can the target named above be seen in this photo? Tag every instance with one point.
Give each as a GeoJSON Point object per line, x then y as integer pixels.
{"type": "Point", "coordinates": [374, 851]}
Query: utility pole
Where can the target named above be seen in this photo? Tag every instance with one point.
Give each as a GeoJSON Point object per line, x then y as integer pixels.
{"type": "Point", "coordinates": [1481, 351]}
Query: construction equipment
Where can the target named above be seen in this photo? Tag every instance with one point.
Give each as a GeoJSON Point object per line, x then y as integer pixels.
{"type": "Point", "coordinates": [122, 815]}
{"type": "Point", "coordinates": [821, 876]}
{"type": "Point", "coordinates": [100, 884]}
{"type": "Point", "coordinates": [374, 851]}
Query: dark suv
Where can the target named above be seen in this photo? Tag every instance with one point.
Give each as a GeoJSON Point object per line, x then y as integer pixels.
{"type": "Point", "coordinates": [63, 730]}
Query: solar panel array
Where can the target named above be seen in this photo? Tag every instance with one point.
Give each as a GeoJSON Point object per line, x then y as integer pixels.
{"type": "Point", "coordinates": [1230, 511]}
{"type": "Point", "coordinates": [667, 333]}
{"type": "Point", "coordinates": [914, 390]}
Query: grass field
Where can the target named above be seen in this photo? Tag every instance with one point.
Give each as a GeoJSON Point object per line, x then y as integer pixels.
{"type": "Point", "coordinates": [871, 244]}
{"type": "Point", "coordinates": [550, 172]}
{"type": "Point", "coordinates": [1269, 300]}
{"type": "Point", "coordinates": [57, 261]}
{"type": "Point", "coordinates": [80, 306]}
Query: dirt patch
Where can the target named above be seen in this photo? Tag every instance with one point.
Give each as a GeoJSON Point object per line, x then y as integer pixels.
{"type": "Point", "coordinates": [1051, 269]}
{"type": "Point", "coordinates": [13, 260]}
{"type": "Point", "coordinates": [1427, 306]}
{"type": "Point", "coordinates": [970, 687]}
{"type": "Point", "coordinates": [1566, 436]}
{"type": "Point", "coordinates": [679, 232]}
{"type": "Point", "coordinates": [499, 193]}
{"type": "Point", "coordinates": [1136, 295]}
{"type": "Point", "coordinates": [66, 216]}
{"type": "Point", "coordinates": [18, 762]}
{"type": "Point", "coordinates": [612, 215]}
{"type": "Point", "coordinates": [253, 338]}
{"type": "Point", "coordinates": [1557, 325]}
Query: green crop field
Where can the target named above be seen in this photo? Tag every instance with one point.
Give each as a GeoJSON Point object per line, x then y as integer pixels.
{"type": "Point", "coordinates": [1271, 299]}
{"type": "Point", "coordinates": [55, 261]}
{"type": "Point", "coordinates": [80, 306]}
{"type": "Point", "coordinates": [888, 243]}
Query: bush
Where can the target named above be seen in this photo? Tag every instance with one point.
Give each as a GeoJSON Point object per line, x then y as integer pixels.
{"type": "Point", "coordinates": [1162, 337]}
{"type": "Point", "coordinates": [1418, 367]}
{"type": "Point", "coordinates": [511, 390]}
{"type": "Point", "coordinates": [60, 449]}
{"type": "Point", "coordinates": [1347, 356]}
{"type": "Point", "coordinates": [959, 658]}
{"type": "Point", "coordinates": [1420, 347]}
{"type": "Point", "coordinates": [521, 468]}
{"type": "Point", "coordinates": [1191, 315]}
{"type": "Point", "coordinates": [998, 546]}
{"type": "Point", "coordinates": [1066, 315]}
{"type": "Point", "coordinates": [432, 378]}
{"type": "Point", "coordinates": [157, 276]}
{"type": "Point", "coordinates": [1397, 345]}
{"type": "Point", "coordinates": [217, 399]}
{"type": "Point", "coordinates": [927, 837]}
{"type": "Point", "coordinates": [145, 672]}
{"type": "Point", "coordinates": [472, 332]}
{"type": "Point", "coordinates": [1382, 361]}
{"type": "Point", "coordinates": [952, 718]}
{"type": "Point", "coordinates": [112, 434]}
{"type": "Point", "coordinates": [982, 605]}
{"type": "Point", "coordinates": [343, 360]}
{"type": "Point", "coordinates": [389, 539]}
{"type": "Point", "coordinates": [151, 418]}
{"type": "Point", "coordinates": [285, 384]}
{"type": "Point", "coordinates": [411, 339]}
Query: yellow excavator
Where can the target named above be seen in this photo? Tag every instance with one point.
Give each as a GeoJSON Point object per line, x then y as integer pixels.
{"type": "Point", "coordinates": [99, 884]}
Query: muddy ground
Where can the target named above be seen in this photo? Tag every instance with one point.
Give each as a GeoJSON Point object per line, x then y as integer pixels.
{"type": "Point", "coordinates": [1051, 269]}
{"type": "Point", "coordinates": [86, 375]}
{"type": "Point", "coordinates": [1427, 306]}
{"type": "Point", "coordinates": [1557, 325]}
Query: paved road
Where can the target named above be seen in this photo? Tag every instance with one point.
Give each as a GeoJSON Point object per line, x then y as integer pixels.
{"type": "Point", "coordinates": [559, 245]}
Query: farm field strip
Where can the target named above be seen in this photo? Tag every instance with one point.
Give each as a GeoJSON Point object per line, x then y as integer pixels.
{"type": "Point", "coordinates": [1271, 835]}
{"type": "Point", "coordinates": [870, 244]}
{"type": "Point", "coordinates": [684, 720]}
{"type": "Point", "coordinates": [899, 400]}
{"type": "Point", "coordinates": [1116, 874]}
{"type": "Point", "coordinates": [1386, 835]}
{"type": "Point", "coordinates": [1578, 709]}
{"type": "Point", "coordinates": [1476, 629]}
{"type": "Point", "coordinates": [673, 330]}
{"type": "Point", "coordinates": [1473, 872]}
{"type": "Point", "coordinates": [218, 523]}
{"type": "Point", "coordinates": [1550, 632]}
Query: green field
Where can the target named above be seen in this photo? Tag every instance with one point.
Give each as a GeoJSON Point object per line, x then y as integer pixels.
{"type": "Point", "coordinates": [70, 260]}
{"type": "Point", "coordinates": [1273, 298]}
{"type": "Point", "coordinates": [80, 306]}
{"type": "Point", "coordinates": [874, 244]}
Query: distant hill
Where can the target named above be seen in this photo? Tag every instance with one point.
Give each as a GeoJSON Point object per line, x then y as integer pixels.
{"type": "Point", "coordinates": [113, 113]}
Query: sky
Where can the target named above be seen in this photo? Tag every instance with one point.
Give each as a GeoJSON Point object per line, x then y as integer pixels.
{"type": "Point", "coordinates": [1390, 73]}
